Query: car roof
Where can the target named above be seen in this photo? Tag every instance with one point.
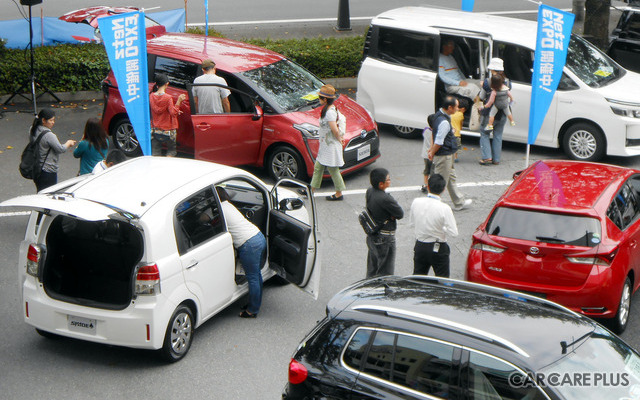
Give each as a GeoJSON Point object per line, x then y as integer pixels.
{"type": "Point", "coordinates": [229, 55]}
{"type": "Point", "coordinates": [504, 29]}
{"type": "Point", "coordinates": [529, 328]}
{"type": "Point", "coordinates": [136, 185]}
{"type": "Point", "coordinates": [563, 185]}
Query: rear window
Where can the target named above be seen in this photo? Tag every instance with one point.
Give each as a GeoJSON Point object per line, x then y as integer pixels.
{"type": "Point", "coordinates": [545, 227]}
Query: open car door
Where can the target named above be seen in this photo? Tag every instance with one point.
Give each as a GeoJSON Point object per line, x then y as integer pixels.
{"type": "Point", "coordinates": [292, 236]}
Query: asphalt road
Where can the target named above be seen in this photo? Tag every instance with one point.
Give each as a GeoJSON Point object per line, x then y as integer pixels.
{"type": "Point", "coordinates": [231, 358]}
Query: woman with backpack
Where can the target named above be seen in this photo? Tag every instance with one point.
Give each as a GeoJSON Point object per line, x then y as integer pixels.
{"type": "Point", "coordinates": [330, 154]}
{"type": "Point", "coordinates": [49, 148]}
{"type": "Point", "coordinates": [93, 147]}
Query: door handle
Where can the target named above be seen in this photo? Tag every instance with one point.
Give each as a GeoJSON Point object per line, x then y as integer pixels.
{"type": "Point", "coordinates": [566, 101]}
{"type": "Point", "coordinates": [426, 79]}
{"type": "Point", "coordinates": [193, 264]}
{"type": "Point", "coordinates": [633, 243]}
{"type": "Point", "coordinates": [203, 126]}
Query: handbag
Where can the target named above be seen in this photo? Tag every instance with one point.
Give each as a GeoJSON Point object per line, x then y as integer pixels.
{"type": "Point", "coordinates": [162, 136]}
{"type": "Point", "coordinates": [368, 224]}
{"type": "Point", "coordinates": [474, 120]}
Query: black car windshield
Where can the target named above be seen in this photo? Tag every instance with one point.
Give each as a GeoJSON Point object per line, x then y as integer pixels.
{"type": "Point", "coordinates": [286, 84]}
{"type": "Point", "coordinates": [590, 65]}
{"type": "Point", "coordinates": [544, 227]}
{"type": "Point", "coordinates": [600, 367]}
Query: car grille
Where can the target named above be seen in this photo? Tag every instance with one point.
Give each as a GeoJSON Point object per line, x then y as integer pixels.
{"type": "Point", "coordinates": [371, 139]}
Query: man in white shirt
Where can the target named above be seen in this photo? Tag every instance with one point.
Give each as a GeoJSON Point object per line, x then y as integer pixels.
{"type": "Point", "coordinates": [211, 99]}
{"type": "Point", "coordinates": [433, 222]}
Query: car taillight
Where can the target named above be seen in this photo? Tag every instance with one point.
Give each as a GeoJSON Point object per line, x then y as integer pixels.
{"type": "Point", "coordinates": [148, 280]}
{"type": "Point", "coordinates": [486, 247]}
{"type": "Point", "coordinates": [34, 255]}
{"type": "Point", "coordinates": [297, 372]}
{"type": "Point", "coordinates": [598, 259]}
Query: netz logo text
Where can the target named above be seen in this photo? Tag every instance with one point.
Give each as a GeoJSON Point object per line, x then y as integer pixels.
{"type": "Point", "coordinates": [82, 324]}
{"type": "Point", "coordinates": [575, 379]}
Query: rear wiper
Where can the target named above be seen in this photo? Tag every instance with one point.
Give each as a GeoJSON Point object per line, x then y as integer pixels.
{"type": "Point", "coordinates": [549, 239]}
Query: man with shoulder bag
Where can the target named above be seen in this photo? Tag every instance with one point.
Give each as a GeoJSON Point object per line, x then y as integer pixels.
{"type": "Point", "coordinates": [384, 210]}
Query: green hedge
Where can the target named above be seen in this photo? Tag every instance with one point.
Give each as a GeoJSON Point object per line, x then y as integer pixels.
{"type": "Point", "coordinates": [70, 68]}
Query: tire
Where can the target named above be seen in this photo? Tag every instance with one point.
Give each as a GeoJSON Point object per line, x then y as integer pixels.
{"type": "Point", "coordinates": [125, 139]}
{"type": "Point", "coordinates": [46, 334]}
{"type": "Point", "coordinates": [406, 132]}
{"type": "Point", "coordinates": [584, 142]}
{"type": "Point", "coordinates": [619, 323]}
{"type": "Point", "coordinates": [285, 162]}
{"type": "Point", "coordinates": [179, 335]}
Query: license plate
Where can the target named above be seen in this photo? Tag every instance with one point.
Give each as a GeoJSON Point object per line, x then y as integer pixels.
{"type": "Point", "coordinates": [364, 152]}
{"type": "Point", "coordinates": [79, 324]}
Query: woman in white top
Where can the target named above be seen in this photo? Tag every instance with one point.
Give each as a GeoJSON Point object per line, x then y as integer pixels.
{"type": "Point", "coordinates": [330, 151]}
{"type": "Point", "coordinates": [251, 245]}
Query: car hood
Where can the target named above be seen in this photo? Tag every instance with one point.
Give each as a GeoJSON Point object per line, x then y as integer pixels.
{"type": "Point", "coordinates": [625, 89]}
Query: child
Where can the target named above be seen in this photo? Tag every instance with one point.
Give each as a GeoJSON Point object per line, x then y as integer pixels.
{"type": "Point", "coordinates": [499, 99]}
{"type": "Point", "coordinates": [456, 123]}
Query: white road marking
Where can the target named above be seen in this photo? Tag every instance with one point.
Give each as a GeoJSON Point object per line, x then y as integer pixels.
{"type": "Point", "coordinates": [14, 214]}
{"type": "Point", "coordinates": [416, 188]}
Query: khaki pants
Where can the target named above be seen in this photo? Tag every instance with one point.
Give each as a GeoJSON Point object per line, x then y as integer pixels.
{"type": "Point", "coordinates": [444, 166]}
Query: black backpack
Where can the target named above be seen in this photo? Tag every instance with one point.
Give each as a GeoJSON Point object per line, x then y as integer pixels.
{"type": "Point", "coordinates": [29, 167]}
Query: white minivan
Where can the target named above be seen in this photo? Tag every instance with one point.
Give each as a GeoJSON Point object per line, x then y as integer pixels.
{"type": "Point", "coordinates": [595, 111]}
{"type": "Point", "coordinates": [140, 255]}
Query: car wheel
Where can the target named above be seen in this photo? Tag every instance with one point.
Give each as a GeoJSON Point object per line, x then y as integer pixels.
{"type": "Point", "coordinates": [584, 142]}
{"type": "Point", "coordinates": [406, 132]}
{"type": "Point", "coordinates": [285, 162]}
{"type": "Point", "coordinates": [619, 323]}
{"type": "Point", "coordinates": [47, 334]}
{"type": "Point", "coordinates": [179, 334]}
{"type": "Point", "coordinates": [125, 139]}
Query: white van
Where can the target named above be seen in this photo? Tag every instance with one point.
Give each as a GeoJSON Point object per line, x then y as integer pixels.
{"type": "Point", "coordinates": [595, 111]}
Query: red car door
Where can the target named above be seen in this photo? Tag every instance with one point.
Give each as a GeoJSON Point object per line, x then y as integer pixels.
{"type": "Point", "coordinates": [231, 139]}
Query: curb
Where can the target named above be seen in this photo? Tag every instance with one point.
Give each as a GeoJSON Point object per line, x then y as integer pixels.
{"type": "Point", "coordinates": [338, 83]}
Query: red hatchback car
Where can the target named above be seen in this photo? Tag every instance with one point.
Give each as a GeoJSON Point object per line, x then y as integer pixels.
{"type": "Point", "coordinates": [567, 231]}
{"type": "Point", "coordinates": [274, 108]}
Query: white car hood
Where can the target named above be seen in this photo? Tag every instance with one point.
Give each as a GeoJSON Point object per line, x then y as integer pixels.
{"type": "Point", "coordinates": [62, 204]}
{"type": "Point", "coordinates": [626, 89]}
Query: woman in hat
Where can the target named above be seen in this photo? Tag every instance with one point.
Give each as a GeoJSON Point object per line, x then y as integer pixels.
{"type": "Point", "coordinates": [330, 151]}
{"type": "Point", "coordinates": [491, 149]}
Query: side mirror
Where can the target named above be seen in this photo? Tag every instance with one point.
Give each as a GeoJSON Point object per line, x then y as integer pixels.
{"type": "Point", "coordinates": [291, 204]}
{"type": "Point", "coordinates": [257, 113]}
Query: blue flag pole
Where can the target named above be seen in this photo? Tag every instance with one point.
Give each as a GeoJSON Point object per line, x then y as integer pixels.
{"type": "Point", "coordinates": [206, 17]}
{"type": "Point", "coordinates": [467, 5]}
{"type": "Point", "coordinates": [552, 42]}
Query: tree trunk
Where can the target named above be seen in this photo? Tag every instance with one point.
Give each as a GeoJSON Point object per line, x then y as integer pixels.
{"type": "Point", "coordinates": [596, 22]}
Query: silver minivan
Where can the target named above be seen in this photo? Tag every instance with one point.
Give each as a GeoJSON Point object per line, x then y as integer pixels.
{"type": "Point", "coordinates": [595, 111]}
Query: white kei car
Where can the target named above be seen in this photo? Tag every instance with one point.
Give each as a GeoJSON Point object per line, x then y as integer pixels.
{"type": "Point", "coordinates": [140, 255]}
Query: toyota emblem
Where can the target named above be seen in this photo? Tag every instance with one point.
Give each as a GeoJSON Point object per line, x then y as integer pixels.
{"type": "Point", "coordinates": [363, 133]}
{"type": "Point", "coordinates": [534, 250]}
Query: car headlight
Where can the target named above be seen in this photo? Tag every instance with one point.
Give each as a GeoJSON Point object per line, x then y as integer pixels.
{"type": "Point", "coordinates": [308, 130]}
{"type": "Point", "coordinates": [625, 109]}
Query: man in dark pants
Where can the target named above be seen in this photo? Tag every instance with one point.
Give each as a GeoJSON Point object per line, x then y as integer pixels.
{"type": "Point", "coordinates": [433, 221]}
{"type": "Point", "coordinates": [384, 210]}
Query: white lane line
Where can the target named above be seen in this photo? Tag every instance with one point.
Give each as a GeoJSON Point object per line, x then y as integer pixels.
{"type": "Point", "coordinates": [299, 21]}
{"type": "Point", "coordinates": [345, 193]}
{"type": "Point", "coordinates": [416, 188]}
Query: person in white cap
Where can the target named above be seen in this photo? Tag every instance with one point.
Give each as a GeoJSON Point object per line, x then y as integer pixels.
{"type": "Point", "coordinates": [491, 149]}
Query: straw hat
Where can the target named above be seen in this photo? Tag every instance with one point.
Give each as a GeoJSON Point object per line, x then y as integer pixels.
{"type": "Point", "coordinates": [327, 91]}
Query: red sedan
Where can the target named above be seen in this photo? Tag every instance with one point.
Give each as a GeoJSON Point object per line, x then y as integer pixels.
{"type": "Point", "coordinates": [567, 231]}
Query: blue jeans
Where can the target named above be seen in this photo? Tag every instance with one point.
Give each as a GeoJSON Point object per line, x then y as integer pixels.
{"type": "Point", "coordinates": [251, 255]}
{"type": "Point", "coordinates": [491, 149]}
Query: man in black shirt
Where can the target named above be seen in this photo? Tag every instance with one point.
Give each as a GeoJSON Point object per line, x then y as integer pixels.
{"type": "Point", "coordinates": [384, 210]}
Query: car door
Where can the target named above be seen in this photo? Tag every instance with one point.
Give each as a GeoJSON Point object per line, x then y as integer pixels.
{"type": "Point", "coordinates": [206, 250]}
{"type": "Point", "coordinates": [399, 75]}
{"type": "Point", "coordinates": [293, 238]}
{"type": "Point", "coordinates": [624, 212]}
{"type": "Point", "coordinates": [231, 138]}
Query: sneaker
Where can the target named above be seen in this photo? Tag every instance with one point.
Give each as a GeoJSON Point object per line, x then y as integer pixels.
{"type": "Point", "coordinates": [513, 123]}
{"type": "Point", "coordinates": [489, 128]}
{"type": "Point", "coordinates": [465, 204]}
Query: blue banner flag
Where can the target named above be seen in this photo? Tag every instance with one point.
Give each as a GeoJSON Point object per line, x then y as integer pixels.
{"type": "Point", "coordinates": [554, 32]}
{"type": "Point", "coordinates": [126, 44]}
{"type": "Point", "coordinates": [467, 5]}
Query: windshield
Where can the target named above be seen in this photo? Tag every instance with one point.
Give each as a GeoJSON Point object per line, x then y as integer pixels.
{"type": "Point", "coordinates": [601, 367]}
{"type": "Point", "coordinates": [545, 227]}
{"type": "Point", "coordinates": [286, 84]}
{"type": "Point", "coordinates": [590, 65]}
